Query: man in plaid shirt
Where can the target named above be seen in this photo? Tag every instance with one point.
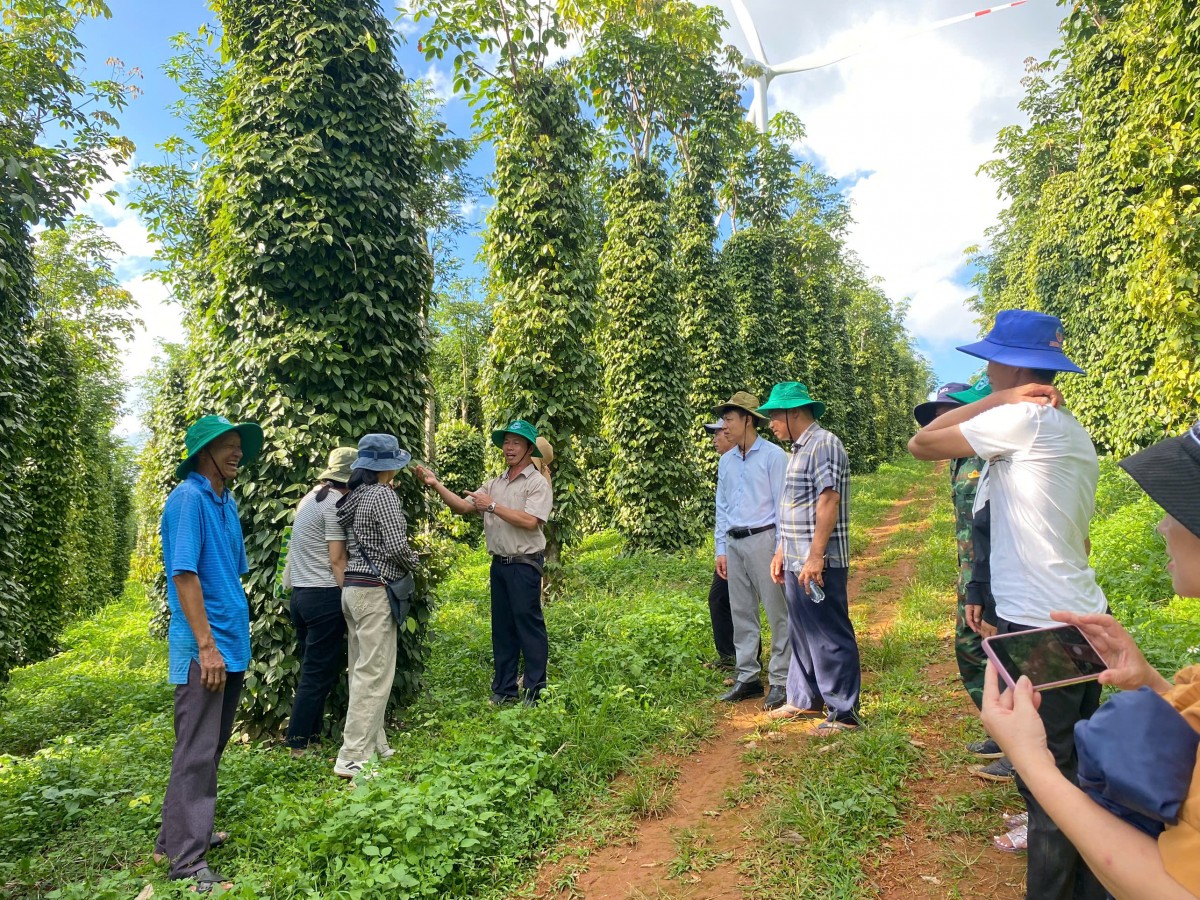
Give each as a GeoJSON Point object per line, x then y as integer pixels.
{"type": "Point", "coordinates": [812, 561]}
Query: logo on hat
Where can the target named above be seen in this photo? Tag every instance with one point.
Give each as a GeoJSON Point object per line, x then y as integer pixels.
{"type": "Point", "coordinates": [1058, 340]}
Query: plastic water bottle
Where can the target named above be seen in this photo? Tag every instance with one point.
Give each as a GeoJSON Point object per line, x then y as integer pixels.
{"type": "Point", "coordinates": [816, 592]}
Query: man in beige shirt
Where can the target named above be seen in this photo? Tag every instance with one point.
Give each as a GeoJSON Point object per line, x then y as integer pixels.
{"type": "Point", "coordinates": [515, 507]}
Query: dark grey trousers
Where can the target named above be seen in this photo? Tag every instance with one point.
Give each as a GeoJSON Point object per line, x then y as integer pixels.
{"type": "Point", "coordinates": [203, 724]}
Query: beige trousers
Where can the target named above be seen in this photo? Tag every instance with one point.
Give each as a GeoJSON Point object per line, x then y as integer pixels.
{"type": "Point", "coordinates": [371, 636]}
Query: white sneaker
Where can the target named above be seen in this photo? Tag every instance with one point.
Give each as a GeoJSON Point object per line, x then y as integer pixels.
{"type": "Point", "coordinates": [343, 769]}
{"type": "Point", "coordinates": [385, 753]}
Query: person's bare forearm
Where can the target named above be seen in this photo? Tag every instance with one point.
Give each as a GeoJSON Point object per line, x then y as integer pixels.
{"type": "Point", "coordinates": [337, 561]}
{"type": "Point", "coordinates": [1127, 861]}
{"type": "Point", "coordinates": [457, 504]}
{"type": "Point", "coordinates": [191, 601]}
{"type": "Point", "coordinates": [827, 513]}
{"type": "Point", "coordinates": [517, 517]}
{"type": "Point", "coordinates": [959, 414]}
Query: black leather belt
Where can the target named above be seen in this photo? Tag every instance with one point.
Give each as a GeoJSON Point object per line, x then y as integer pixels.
{"type": "Point", "coordinates": [529, 559]}
{"type": "Point", "coordinates": [738, 533]}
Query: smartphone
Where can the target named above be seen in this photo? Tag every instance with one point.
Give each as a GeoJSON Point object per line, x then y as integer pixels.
{"type": "Point", "coordinates": [1049, 657]}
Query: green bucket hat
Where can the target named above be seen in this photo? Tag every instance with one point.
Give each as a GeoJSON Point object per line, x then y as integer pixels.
{"type": "Point", "coordinates": [207, 429]}
{"type": "Point", "coordinates": [792, 395]}
{"type": "Point", "coordinates": [521, 428]}
{"type": "Point", "coordinates": [742, 400]}
{"type": "Point", "coordinates": [980, 387]}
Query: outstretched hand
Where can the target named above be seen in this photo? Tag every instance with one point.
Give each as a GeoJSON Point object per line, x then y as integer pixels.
{"type": "Point", "coordinates": [424, 475]}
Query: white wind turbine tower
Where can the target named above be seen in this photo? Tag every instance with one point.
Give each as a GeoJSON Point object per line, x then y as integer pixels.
{"type": "Point", "coordinates": [758, 109]}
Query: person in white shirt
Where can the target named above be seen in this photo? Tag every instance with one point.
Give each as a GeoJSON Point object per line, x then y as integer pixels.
{"type": "Point", "coordinates": [750, 480]}
{"type": "Point", "coordinates": [1041, 480]}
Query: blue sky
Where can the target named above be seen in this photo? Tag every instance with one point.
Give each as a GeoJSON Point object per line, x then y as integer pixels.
{"type": "Point", "coordinates": [902, 127]}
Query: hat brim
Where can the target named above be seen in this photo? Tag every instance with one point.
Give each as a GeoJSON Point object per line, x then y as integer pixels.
{"type": "Point", "coordinates": [816, 407]}
{"type": "Point", "coordinates": [970, 395]}
{"type": "Point", "coordinates": [713, 429]}
{"type": "Point", "coordinates": [726, 407]}
{"type": "Point", "coordinates": [498, 440]}
{"type": "Point", "coordinates": [382, 465]}
{"type": "Point", "coordinates": [252, 444]}
{"type": "Point", "coordinates": [1021, 357]}
{"type": "Point", "coordinates": [1169, 472]}
{"type": "Point", "coordinates": [925, 413]}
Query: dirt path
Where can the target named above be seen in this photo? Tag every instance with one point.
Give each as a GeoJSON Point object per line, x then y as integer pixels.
{"type": "Point", "coordinates": [704, 820]}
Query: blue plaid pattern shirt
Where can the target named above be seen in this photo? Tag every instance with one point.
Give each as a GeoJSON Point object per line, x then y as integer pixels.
{"type": "Point", "coordinates": [818, 463]}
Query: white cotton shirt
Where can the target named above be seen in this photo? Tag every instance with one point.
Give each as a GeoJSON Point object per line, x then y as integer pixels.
{"type": "Point", "coordinates": [1041, 480]}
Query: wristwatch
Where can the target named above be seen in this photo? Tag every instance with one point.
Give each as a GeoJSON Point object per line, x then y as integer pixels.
{"type": "Point", "coordinates": [491, 507]}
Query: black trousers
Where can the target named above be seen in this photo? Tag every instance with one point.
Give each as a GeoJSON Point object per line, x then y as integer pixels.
{"type": "Point", "coordinates": [321, 646]}
{"type": "Point", "coordinates": [518, 628]}
{"type": "Point", "coordinates": [722, 618]}
{"type": "Point", "coordinates": [203, 724]}
{"type": "Point", "coordinates": [1055, 870]}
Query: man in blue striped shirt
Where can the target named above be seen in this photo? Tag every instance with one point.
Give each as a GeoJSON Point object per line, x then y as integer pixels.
{"type": "Point", "coordinates": [750, 480]}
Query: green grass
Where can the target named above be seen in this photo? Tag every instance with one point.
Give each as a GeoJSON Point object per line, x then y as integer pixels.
{"type": "Point", "coordinates": [694, 853]}
{"type": "Point", "coordinates": [474, 795]}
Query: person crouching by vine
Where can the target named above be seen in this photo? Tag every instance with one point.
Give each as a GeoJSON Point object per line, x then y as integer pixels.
{"type": "Point", "coordinates": [515, 507]}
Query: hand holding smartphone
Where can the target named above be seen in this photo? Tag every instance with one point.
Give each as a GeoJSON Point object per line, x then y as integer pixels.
{"type": "Point", "coordinates": [1048, 657]}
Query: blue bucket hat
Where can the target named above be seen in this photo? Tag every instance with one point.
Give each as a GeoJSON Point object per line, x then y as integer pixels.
{"type": "Point", "coordinates": [1025, 339]}
{"type": "Point", "coordinates": [380, 453]}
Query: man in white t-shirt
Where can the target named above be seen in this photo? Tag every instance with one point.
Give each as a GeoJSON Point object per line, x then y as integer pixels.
{"type": "Point", "coordinates": [1041, 480]}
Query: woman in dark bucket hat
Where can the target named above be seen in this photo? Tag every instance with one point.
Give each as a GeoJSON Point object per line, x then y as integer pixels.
{"type": "Point", "coordinates": [1130, 762]}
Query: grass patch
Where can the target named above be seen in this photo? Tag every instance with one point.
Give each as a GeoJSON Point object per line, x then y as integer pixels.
{"type": "Point", "coordinates": [694, 853]}
{"type": "Point", "coordinates": [649, 791]}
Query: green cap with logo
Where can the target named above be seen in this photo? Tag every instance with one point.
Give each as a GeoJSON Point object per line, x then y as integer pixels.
{"type": "Point", "coordinates": [207, 429]}
{"type": "Point", "coordinates": [792, 395]}
{"type": "Point", "coordinates": [521, 428]}
{"type": "Point", "coordinates": [979, 387]}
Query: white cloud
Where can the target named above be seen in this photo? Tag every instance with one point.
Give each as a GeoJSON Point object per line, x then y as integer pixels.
{"type": "Point", "coordinates": [161, 319]}
{"type": "Point", "coordinates": [918, 118]}
{"type": "Point", "coordinates": [119, 222]}
{"type": "Point", "coordinates": [440, 81]}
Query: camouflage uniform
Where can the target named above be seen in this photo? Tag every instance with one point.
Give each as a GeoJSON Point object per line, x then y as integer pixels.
{"type": "Point", "coordinates": [968, 646]}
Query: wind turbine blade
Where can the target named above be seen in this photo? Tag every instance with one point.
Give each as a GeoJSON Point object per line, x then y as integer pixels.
{"type": "Point", "coordinates": [747, 23]}
{"type": "Point", "coordinates": [818, 61]}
